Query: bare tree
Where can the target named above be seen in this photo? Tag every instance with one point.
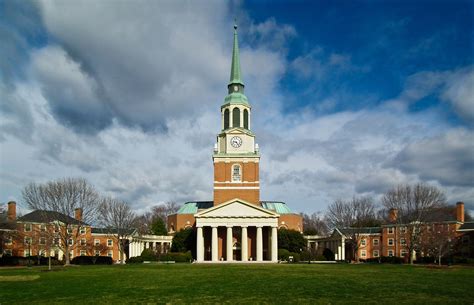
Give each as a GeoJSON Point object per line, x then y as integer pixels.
{"type": "Point", "coordinates": [164, 210]}
{"type": "Point", "coordinates": [352, 218]}
{"type": "Point", "coordinates": [314, 224]}
{"type": "Point", "coordinates": [438, 240]}
{"type": "Point", "coordinates": [118, 218]}
{"type": "Point", "coordinates": [59, 204]}
{"type": "Point", "coordinates": [414, 205]}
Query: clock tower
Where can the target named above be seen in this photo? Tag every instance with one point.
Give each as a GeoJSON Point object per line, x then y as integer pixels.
{"type": "Point", "coordinates": [236, 156]}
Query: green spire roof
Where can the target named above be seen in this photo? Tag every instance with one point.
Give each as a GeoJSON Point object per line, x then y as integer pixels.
{"type": "Point", "coordinates": [235, 74]}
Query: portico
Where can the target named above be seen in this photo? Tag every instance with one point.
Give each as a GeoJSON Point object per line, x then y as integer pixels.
{"type": "Point", "coordinates": [236, 231]}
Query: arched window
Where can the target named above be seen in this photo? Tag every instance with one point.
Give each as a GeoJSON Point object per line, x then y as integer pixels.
{"type": "Point", "coordinates": [236, 173]}
{"type": "Point", "coordinates": [236, 117]}
{"type": "Point", "coordinates": [246, 119]}
{"type": "Point", "coordinates": [226, 118]}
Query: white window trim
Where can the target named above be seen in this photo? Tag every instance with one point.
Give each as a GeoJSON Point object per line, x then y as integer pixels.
{"type": "Point", "coordinates": [363, 253]}
{"type": "Point", "coordinates": [97, 252]}
{"type": "Point", "coordinates": [375, 242]}
{"type": "Point", "coordinates": [390, 253]}
{"type": "Point", "coordinates": [110, 253]}
{"type": "Point", "coordinates": [28, 225]}
{"type": "Point", "coordinates": [388, 242]}
{"type": "Point", "coordinates": [376, 253]}
{"type": "Point", "coordinates": [96, 242]}
{"type": "Point", "coordinates": [42, 238]}
{"type": "Point", "coordinates": [83, 242]}
{"type": "Point", "coordinates": [240, 173]}
{"type": "Point", "coordinates": [390, 230]}
{"type": "Point", "coordinates": [8, 252]}
{"type": "Point", "coordinates": [83, 253]}
{"type": "Point", "coordinates": [363, 242]}
{"type": "Point", "coordinates": [111, 243]}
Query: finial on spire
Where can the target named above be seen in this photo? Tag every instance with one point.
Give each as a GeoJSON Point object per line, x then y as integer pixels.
{"type": "Point", "coordinates": [235, 74]}
{"type": "Point", "coordinates": [235, 24]}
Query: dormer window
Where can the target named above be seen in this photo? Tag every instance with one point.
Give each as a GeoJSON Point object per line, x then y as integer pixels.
{"type": "Point", "coordinates": [236, 173]}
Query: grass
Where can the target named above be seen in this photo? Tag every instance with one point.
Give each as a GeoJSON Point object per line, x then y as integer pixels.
{"type": "Point", "coordinates": [250, 284]}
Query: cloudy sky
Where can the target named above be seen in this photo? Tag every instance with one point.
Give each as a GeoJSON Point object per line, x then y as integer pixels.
{"type": "Point", "coordinates": [349, 98]}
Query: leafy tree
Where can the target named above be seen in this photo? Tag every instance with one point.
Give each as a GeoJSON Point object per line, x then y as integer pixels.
{"type": "Point", "coordinates": [183, 241]}
{"type": "Point", "coordinates": [158, 227]}
{"type": "Point", "coordinates": [291, 240]}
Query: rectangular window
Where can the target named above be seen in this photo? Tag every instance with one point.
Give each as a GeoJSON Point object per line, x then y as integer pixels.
{"type": "Point", "coordinates": [56, 241]}
{"type": "Point", "coordinates": [362, 242]}
{"type": "Point", "coordinates": [28, 240]}
{"type": "Point", "coordinates": [110, 243]}
{"type": "Point", "coordinates": [27, 227]}
{"type": "Point", "coordinates": [97, 253]}
{"type": "Point", "coordinates": [70, 241]}
{"type": "Point", "coordinates": [8, 252]}
{"type": "Point", "coordinates": [83, 230]}
{"type": "Point", "coordinates": [8, 240]}
{"type": "Point", "coordinates": [403, 253]}
{"type": "Point", "coordinates": [43, 228]}
{"type": "Point", "coordinates": [376, 253]}
{"type": "Point", "coordinates": [363, 253]}
{"type": "Point", "coordinates": [83, 242]}
{"type": "Point", "coordinates": [403, 241]}
{"type": "Point", "coordinates": [83, 253]}
{"type": "Point", "coordinates": [42, 253]}
{"type": "Point", "coordinates": [390, 230]}
{"type": "Point", "coordinates": [236, 175]}
{"type": "Point", "coordinates": [376, 242]}
{"type": "Point", "coordinates": [96, 242]}
{"type": "Point", "coordinates": [390, 253]}
{"type": "Point", "coordinates": [110, 253]}
{"type": "Point", "coordinates": [69, 230]}
{"type": "Point", "coordinates": [42, 241]}
{"type": "Point", "coordinates": [390, 241]}
{"type": "Point", "coordinates": [403, 230]}
{"type": "Point", "coordinates": [56, 229]}
{"type": "Point", "coordinates": [26, 252]}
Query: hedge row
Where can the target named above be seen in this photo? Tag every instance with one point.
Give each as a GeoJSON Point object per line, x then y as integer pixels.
{"type": "Point", "coordinates": [7, 260]}
{"type": "Point", "coordinates": [92, 260]}
{"type": "Point", "coordinates": [178, 257]}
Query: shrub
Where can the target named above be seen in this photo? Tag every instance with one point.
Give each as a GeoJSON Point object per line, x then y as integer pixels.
{"type": "Point", "coordinates": [149, 255]}
{"type": "Point", "coordinates": [283, 254]}
{"type": "Point", "coordinates": [291, 240]}
{"type": "Point", "coordinates": [135, 260]}
{"type": "Point", "coordinates": [392, 259]}
{"type": "Point", "coordinates": [328, 254]}
{"type": "Point", "coordinates": [320, 258]}
{"type": "Point", "coordinates": [104, 260]}
{"type": "Point", "coordinates": [15, 261]}
{"type": "Point", "coordinates": [306, 256]}
{"type": "Point", "coordinates": [92, 260]}
{"type": "Point", "coordinates": [82, 260]}
{"type": "Point", "coordinates": [178, 257]}
{"type": "Point", "coordinates": [184, 240]}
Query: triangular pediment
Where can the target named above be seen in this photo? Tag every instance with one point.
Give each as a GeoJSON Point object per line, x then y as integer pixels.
{"type": "Point", "coordinates": [236, 208]}
{"type": "Point", "coordinates": [237, 130]}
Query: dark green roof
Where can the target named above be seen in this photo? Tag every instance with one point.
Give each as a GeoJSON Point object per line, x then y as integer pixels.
{"type": "Point", "coordinates": [364, 230]}
{"type": "Point", "coordinates": [42, 216]}
{"type": "Point", "coordinates": [467, 226]}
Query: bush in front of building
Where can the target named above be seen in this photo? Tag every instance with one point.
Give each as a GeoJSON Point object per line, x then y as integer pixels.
{"type": "Point", "coordinates": [291, 240]}
{"type": "Point", "coordinates": [384, 259]}
{"type": "Point", "coordinates": [7, 260]}
{"type": "Point", "coordinates": [284, 255]}
{"type": "Point", "coordinates": [135, 260]}
{"type": "Point", "coordinates": [178, 257]}
{"type": "Point", "coordinates": [184, 241]}
{"type": "Point", "coordinates": [149, 255]}
{"type": "Point", "coordinates": [92, 260]}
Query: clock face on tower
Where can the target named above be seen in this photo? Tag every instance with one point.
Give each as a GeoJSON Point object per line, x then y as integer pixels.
{"type": "Point", "coordinates": [236, 142]}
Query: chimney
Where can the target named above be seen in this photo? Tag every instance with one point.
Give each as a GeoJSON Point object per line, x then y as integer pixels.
{"type": "Point", "coordinates": [460, 211]}
{"type": "Point", "coordinates": [78, 214]}
{"type": "Point", "coordinates": [392, 215]}
{"type": "Point", "coordinates": [11, 213]}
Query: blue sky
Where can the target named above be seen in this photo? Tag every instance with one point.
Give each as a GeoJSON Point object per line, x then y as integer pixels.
{"type": "Point", "coordinates": [349, 98]}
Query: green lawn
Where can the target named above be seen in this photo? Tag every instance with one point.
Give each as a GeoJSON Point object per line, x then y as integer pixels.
{"type": "Point", "coordinates": [184, 283]}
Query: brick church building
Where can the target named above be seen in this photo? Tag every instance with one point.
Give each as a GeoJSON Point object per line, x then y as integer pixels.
{"type": "Point", "coordinates": [236, 225]}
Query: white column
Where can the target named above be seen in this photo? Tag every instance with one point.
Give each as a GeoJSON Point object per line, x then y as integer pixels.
{"type": "Point", "coordinates": [259, 244]}
{"type": "Point", "coordinates": [339, 253]}
{"type": "Point", "coordinates": [222, 118]}
{"type": "Point", "coordinates": [249, 118]}
{"type": "Point", "coordinates": [241, 117]}
{"type": "Point", "coordinates": [274, 244]}
{"type": "Point", "coordinates": [343, 249]}
{"type": "Point", "coordinates": [229, 244]}
{"type": "Point", "coordinates": [200, 245]}
{"type": "Point", "coordinates": [243, 245]}
{"type": "Point", "coordinates": [231, 118]}
{"type": "Point", "coordinates": [215, 244]}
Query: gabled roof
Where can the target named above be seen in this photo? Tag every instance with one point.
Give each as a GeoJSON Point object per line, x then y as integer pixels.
{"type": "Point", "coordinates": [42, 216]}
{"type": "Point", "coordinates": [467, 226]}
{"type": "Point", "coordinates": [246, 209]}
